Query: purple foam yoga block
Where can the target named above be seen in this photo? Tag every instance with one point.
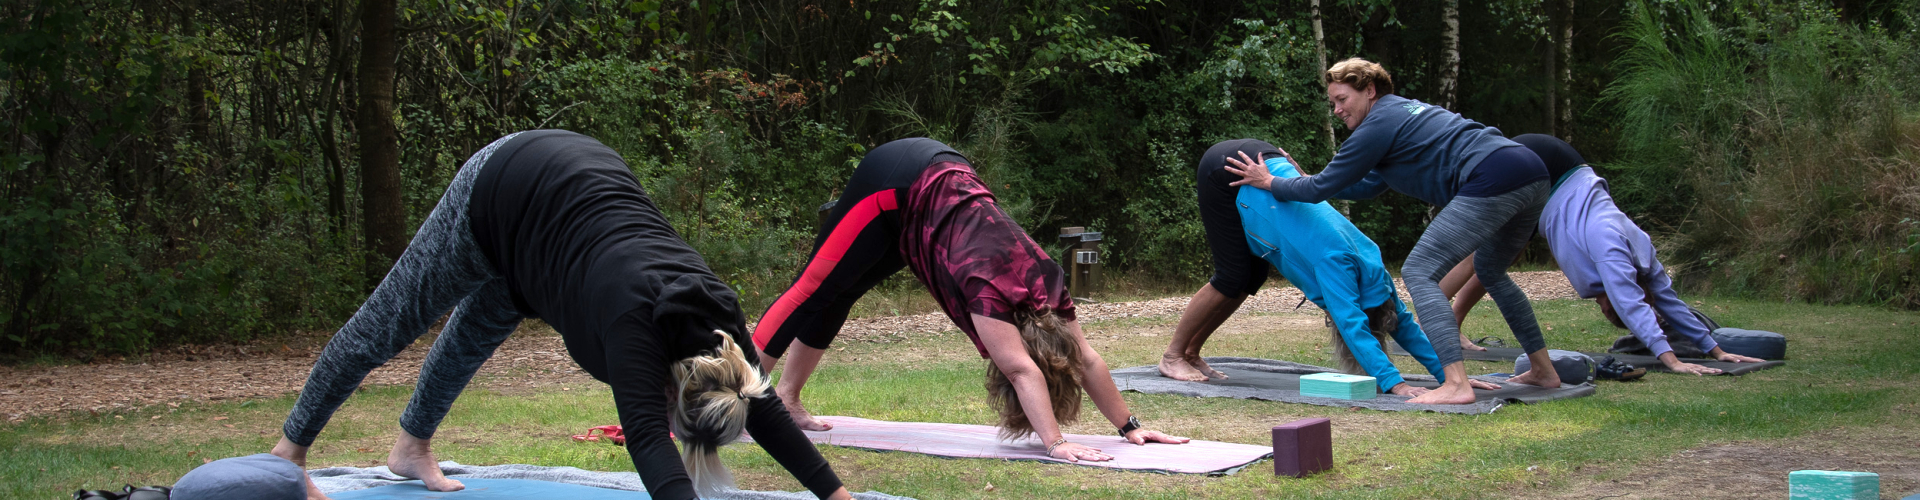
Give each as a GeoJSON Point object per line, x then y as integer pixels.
{"type": "Point", "coordinates": [1303, 447]}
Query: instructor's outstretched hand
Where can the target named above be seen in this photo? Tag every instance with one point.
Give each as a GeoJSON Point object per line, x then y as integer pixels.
{"type": "Point", "coordinates": [1144, 436]}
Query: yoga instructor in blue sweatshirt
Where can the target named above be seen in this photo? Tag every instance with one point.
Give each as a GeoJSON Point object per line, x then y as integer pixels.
{"type": "Point", "coordinates": [1490, 189]}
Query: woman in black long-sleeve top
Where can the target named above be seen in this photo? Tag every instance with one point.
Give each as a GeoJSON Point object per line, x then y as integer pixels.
{"type": "Point", "coordinates": [551, 224]}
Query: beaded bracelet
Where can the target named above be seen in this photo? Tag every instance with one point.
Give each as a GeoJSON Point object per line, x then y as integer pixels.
{"type": "Point", "coordinates": [1056, 444]}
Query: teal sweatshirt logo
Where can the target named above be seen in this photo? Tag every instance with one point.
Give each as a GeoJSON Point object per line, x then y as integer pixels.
{"type": "Point", "coordinates": [1414, 109]}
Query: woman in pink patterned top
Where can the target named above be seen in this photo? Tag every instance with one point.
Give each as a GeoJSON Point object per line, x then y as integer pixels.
{"type": "Point", "coordinates": [916, 203]}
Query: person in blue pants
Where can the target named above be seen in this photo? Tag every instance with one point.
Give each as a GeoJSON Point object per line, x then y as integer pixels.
{"type": "Point", "coordinates": [1339, 269]}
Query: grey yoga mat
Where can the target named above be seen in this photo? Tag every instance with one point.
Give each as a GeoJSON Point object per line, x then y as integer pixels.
{"type": "Point", "coordinates": [1275, 380]}
{"type": "Point", "coordinates": [340, 479]}
{"type": "Point", "coordinates": [1652, 364]}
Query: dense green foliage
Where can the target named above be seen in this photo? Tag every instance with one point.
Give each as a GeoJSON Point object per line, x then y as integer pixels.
{"type": "Point", "coordinates": [181, 171]}
{"type": "Point", "coordinates": [1782, 145]}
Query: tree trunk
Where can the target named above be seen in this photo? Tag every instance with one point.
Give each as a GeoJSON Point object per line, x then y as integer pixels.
{"type": "Point", "coordinates": [1553, 66]}
{"type": "Point", "coordinates": [384, 212]}
{"type": "Point", "coordinates": [1320, 51]}
{"type": "Point", "coordinates": [1566, 71]}
{"type": "Point", "coordinates": [199, 116]}
{"type": "Point", "coordinates": [1448, 94]}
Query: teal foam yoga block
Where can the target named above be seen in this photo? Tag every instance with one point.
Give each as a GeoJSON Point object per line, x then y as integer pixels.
{"type": "Point", "coordinates": [1339, 385]}
{"type": "Point", "coordinates": [1832, 485]}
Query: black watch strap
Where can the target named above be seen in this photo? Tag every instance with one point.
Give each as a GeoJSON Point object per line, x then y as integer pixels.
{"type": "Point", "coordinates": [1133, 424]}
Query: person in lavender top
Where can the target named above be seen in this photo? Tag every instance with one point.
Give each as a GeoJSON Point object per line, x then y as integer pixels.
{"type": "Point", "coordinates": [1608, 258]}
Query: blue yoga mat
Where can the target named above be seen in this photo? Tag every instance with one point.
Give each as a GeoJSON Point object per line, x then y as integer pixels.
{"type": "Point", "coordinates": [492, 489]}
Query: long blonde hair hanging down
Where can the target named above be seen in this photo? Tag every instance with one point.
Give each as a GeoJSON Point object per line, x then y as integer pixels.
{"type": "Point", "coordinates": [713, 395]}
{"type": "Point", "coordinates": [1057, 355]}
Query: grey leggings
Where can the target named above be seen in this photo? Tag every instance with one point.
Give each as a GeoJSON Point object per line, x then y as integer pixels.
{"type": "Point", "coordinates": [1494, 229]}
{"type": "Point", "coordinates": [442, 269]}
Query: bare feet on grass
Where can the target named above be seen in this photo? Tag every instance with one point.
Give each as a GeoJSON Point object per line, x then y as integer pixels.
{"type": "Point", "coordinates": [1175, 367]}
{"type": "Point", "coordinates": [298, 455]}
{"type": "Point", "coordinates": [801, 417]}
{"type": "Point", "coordinates": [413, 457]}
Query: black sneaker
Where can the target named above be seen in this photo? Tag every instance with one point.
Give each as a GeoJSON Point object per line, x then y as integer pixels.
{"type": "Point", "coordinates": [1614, 369]}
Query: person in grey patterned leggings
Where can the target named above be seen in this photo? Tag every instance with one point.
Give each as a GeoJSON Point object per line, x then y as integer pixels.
{"type": "Point", "coordinates": [553, 224]}
{"type": "Point", "coordinates": [442, 268]}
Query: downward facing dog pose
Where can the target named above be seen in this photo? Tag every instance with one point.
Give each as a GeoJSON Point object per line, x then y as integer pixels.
{"type": "Point", "coordinates": [1336, 266]}
{"type": "Point", "coordinates": [552, 224]}
{"type": "Point", "coordinates": [1608, 258]}
{"type": "Point", "coordinates": [1491, 191]}
{"type": "Point", "coordinates": [915, 203]}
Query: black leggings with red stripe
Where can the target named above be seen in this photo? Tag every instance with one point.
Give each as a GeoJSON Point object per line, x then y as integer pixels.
{"type": "Point", "coordinates": [858, 247]}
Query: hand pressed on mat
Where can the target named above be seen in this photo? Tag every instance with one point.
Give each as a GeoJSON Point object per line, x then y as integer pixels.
{"type": "Point", "coordinates": [1144, 436]}
{"type": "Point", "coordinates": [1408, 390]}
{"type": "Point", "coordinates": [1723, 355]}
{"type": "Point", "coordinates": [1074, 452]}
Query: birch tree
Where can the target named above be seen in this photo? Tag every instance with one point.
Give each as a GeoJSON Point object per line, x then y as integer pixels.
{"type": "Point", "coordinates": [1450, 58]}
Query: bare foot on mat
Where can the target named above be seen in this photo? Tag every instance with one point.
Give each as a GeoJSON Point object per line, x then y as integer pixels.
{"type": "Point", "coordinates": [413, 457]}
{"type": "Point", "coordinates": [803, 419]}
{"type": "Point", "coordinates": [1469, 345]}
{"type": "Point", "coordinates": [1447, 394]}
{"type": "Point", "coordinates": [1201, 364]}
{"type": "Point", "coordinates": [298, 455]}
{"type": "Point", "coordinates": [1176, 367]}
{"type": "Point", "coordinates": [1537, 378]}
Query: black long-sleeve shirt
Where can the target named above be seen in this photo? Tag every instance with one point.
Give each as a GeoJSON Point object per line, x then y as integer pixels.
{"type": "Point", "coordinates": [582, 246]}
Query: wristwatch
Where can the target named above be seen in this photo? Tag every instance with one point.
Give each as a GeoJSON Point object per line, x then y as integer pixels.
{"type": "Point", "coordinates": [1133, 424]}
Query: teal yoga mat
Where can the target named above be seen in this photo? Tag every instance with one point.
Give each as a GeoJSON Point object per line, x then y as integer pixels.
{"type": "Point", "coordinates": [492, 489]}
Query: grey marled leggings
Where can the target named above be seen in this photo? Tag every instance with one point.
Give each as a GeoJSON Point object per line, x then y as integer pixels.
{"type": "Point", "coordinates": [1494, 229]}
{"type": "Point", "coordinates": [442, 269]}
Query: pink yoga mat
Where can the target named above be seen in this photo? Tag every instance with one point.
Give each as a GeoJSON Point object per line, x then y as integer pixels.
{"type": "Point", "coordinates": [981, 441]}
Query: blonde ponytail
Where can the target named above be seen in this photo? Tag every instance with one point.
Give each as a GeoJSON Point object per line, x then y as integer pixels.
{"type": "Point", "coordinates": [711, 410]}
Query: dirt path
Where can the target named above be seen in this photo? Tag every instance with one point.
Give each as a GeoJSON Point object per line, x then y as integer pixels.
{"type": "Point", "coordinates": [534, 357]}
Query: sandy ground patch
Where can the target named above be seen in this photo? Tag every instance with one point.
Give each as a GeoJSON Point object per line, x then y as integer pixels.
{"type": "Point", "coordinates": [1747, 469]}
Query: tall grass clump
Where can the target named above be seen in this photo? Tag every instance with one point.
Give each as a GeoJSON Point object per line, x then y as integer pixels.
{"type": "Point", "coordinates": [1777, 145]}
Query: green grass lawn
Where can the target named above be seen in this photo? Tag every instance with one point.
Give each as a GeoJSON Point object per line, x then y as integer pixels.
{"type": "Point", "coordinates": [1850, 367]}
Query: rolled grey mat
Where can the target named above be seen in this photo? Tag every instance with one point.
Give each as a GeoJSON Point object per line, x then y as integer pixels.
{"type": "Point", "coordinates": [1756, 343]}
{"type": "Point", "coordinates": [252, 477]}
{"type": "Point", "coordinates": [1574, 368]}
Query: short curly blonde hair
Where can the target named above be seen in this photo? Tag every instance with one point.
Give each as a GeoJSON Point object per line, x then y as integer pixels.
{"type": "Point", "coordinates": [1360, 74]}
